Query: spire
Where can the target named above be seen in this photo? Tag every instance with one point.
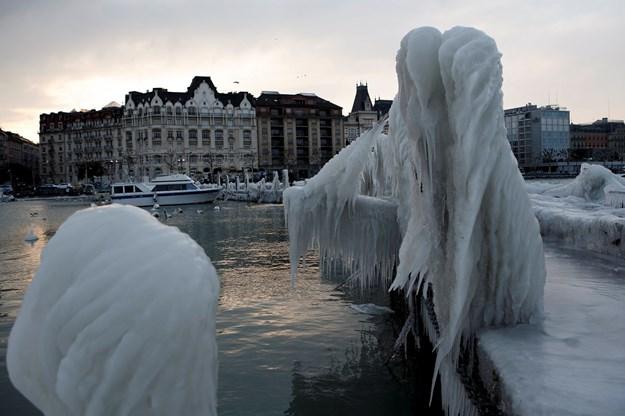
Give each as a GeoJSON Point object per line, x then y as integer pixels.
{"type": "Point", "coordinates": [362, 101]}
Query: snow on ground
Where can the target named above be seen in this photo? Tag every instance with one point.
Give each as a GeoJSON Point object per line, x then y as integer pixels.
{"type": "Point", "coordinates": [586, 212]}
{"type": "Point", "coordinates": [574, 364]}
{"type": "Point", "coordinates": [119, 319]}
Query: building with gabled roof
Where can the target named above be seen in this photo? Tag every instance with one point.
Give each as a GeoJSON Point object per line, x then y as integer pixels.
{"type": "Point", "coordinates": [199, 131]}
{"type": "Point", "coordinates": [364, 115]}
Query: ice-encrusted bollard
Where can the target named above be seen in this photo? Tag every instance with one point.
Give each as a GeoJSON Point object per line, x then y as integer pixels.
{"type": "Point", "coordinates": [119, 319]}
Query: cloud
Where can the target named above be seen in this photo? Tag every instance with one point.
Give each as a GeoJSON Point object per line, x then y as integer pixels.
{"type": "Point", "coordinates": [74, 54]}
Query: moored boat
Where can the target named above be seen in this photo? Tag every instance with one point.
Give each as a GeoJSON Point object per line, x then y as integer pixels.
{"type": "Point", "coordinates": [175, 189]}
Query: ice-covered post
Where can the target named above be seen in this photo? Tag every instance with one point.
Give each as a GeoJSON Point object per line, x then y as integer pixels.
{"type": "Point", "coordinates": [119, 319]}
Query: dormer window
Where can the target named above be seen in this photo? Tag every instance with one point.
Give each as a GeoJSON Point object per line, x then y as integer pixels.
{"type": "Point", "coordinates": [178, 111]}
{"type": "Point", "coordinates": [156, 110]}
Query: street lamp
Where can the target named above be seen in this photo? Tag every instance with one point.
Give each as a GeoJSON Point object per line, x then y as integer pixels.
{"type": "Point", "coordinates": [181, 161]}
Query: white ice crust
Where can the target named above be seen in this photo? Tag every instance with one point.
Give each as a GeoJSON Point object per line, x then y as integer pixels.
{"type": "Point", "coordinates": [464, 224]}
{"type": "Point", "coordinates": [119, 319]}
{"type": "Point", "coordinates": [586, 213]}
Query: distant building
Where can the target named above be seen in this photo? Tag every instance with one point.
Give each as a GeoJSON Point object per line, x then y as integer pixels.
{"type": "Point", "coordinates": [602, 140]}
{"type": "Point", "coordinates": [539, 136]}
{"type": "Point", "coordinates": [363, 115]}
{"type": "Point", "coordinates": [80, 145]}
{"type": "Point", "coordinates": [19, 160]}
{"type": "Point", "coordinates": [298, 132]}
{"type": "Point", "coordinates": [199, 131]}
{"type": "Point", "coordinates": [382, 107]}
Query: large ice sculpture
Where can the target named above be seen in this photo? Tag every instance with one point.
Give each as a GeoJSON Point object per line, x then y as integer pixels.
{"type": "Point", "coordinates": [468, 231]}
{"type": "Point", "coordinates": [119, 319]}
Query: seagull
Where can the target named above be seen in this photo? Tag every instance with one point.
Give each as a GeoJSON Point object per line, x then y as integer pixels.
{"type": "Point", "coordinates": [31, 237]}
{"type": "Point", "coordinates": [235, 82]}
{"type": "Point", "coordinates": [217, 208]}
{"type": "Point", "coordinates": [199, 211]}
{"type": "Point", "coordinates": [179, 210]}
{"type": "Point", "coordinates": [155, 206]}
{"type": "Point", "coordinates": [167, 214]}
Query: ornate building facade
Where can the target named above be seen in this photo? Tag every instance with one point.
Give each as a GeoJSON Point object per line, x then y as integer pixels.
{"type": "Point", "coordinates": [80, 144]}
{"type": "Point", "coordinates": [198, 132]}
{"type": "Point", "coordinates": [298, 132]}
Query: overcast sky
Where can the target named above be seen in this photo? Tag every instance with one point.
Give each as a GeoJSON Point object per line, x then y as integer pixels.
{"type": "Point", "coordinates": [61, 55]}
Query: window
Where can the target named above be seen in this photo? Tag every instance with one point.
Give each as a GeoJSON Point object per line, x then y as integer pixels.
{"type": "Point", "coordinates": [173, 187]}
{"type": "Point", "coordinates": [206, 137]}
{"type": "Point", "coordinates": [156, 137]}
{"type": "Point", "coordinates": [193, 137]}
{"type": "Point", "coordinates": [192, 111]}
{"type": "Point", "coordinates": [219, 139]}
{"type": "Point", "coordinates": [247, 139]}
{"type": "Point", "coordinates": [156, 110]}
{"type": "Point", "coordinates": [178, 111]}
{"type": "Point", "coordinates": [170, 135]}
{"type": "Point", "coordinates": [118, 189]}
{"type": "Point", "coordinates": [178, 134]}
{"type": "Point", "coordinates": [169, 111]}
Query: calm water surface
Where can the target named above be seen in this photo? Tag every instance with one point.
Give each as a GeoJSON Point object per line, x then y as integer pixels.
{"type": "Point", "coordinates": [282, 350]}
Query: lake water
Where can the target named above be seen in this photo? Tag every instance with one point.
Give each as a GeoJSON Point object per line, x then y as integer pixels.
{"type": "Point", "coordinates": [282, 350]}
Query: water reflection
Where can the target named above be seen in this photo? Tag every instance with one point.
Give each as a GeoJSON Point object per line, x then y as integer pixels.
{"type": "Point", "coordinates": [18, 262]}
{"type": "Point", "coordinates": [281, 349]}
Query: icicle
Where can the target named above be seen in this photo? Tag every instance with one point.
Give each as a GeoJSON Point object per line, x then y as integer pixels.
{"type": "Point", "coordinates": [444, 196]}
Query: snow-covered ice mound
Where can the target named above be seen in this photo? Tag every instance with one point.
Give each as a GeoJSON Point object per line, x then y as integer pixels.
{"type": "Point", "coordinates": [587, 213]}
{"type": "Point", "coordinates": [594, 183]}
{"type": "Point", "coordinates": [462, 213]}
{"type": "Point", "coordinates": [119, 320]}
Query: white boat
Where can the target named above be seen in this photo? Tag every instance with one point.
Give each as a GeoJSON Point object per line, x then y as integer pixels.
{"type": "Point", "coordinates": [163, 190]}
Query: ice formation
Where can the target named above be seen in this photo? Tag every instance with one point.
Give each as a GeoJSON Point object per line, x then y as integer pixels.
{"type": "Point", "coordinates": [119, 319]}
{"type": "Point", "coordinates": [329, 213]}
{"type": "Point", "coordinates": [446, 201]}
{"type": "Point", "coordinates": [586, 213]}
{"type": "Point", "coordinates": [594, 183]}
